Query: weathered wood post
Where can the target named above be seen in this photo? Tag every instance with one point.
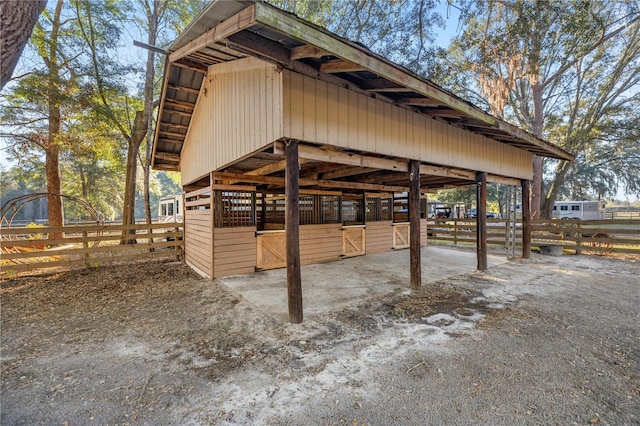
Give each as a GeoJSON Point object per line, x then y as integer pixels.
{"type": "Point", "coordinates": [263, 210]}
{"type": "Point", "coordinates": [414, 224]}
{"type": "Point", "coordinates": [526, 219]}
{"type": "Point", "coordinates": [85, 247]}
{"type": "Point", "coordinates": [481, 220]}
{"type": "Point", "coordinates": [292, 226]}
{"type": "Point", "coordinates": [579, 238]}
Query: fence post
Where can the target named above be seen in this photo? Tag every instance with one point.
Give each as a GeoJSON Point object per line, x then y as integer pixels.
{"type": "Point", "coordinates": [579, 239]}
{"type": "Point", "coordinates": [85, 246]}
{"type": "Point", "coordinates": [150, 240]}
{"type": "Point", "coordinates": [455, 231]}
{"type": "Point", "coordinates": [177, 244]}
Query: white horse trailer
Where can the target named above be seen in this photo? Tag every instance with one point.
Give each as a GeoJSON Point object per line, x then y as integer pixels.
{"type": "Point", "coordinates": [586, 210]}
{"type": "Point", "coordinates": [171, 208]}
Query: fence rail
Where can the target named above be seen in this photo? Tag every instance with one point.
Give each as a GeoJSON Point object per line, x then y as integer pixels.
{"type": "Point", "coordinates": [24, 249]}
{"type": "Point", "coordinates": [602, 236]}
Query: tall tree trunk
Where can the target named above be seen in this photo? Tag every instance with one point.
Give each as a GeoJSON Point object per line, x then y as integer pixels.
{"type": "Point", "coordinates": [537, 127]}
{"type": "Point", "coordinates": [18, 19]}
{"type": "Point", "coordinates": [128, 211]}
{"type": "Point", "coordinates": [152, 19]}
{"type": "Point", "coordinates": [52, 149]}
{"type": "Point", "coordinates": [54, 200]}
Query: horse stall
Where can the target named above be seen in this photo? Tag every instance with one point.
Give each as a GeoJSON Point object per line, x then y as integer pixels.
{"type": "Point", "coordinates": [293, 143]}
{"type": "Point", "coordinates": [232, 230]}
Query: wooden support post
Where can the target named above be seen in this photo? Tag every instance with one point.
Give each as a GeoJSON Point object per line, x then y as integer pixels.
{"type": "Point", "coordinates": [292, 226]}
{"type": "Point", "coordinates": [481, 218]}
{"type": "Point", "coordinates": [263, 211]}
{"type": "Point", "coordinates": [526, 219]}
{"type": "Point", "coordinates": [579, 238]}
{"type": "Point", "coordinates": [177, 246]}
{"type": "Point", "coordinates": [85, 245]}
{"type": "Point", "coordinates": [414, 225]}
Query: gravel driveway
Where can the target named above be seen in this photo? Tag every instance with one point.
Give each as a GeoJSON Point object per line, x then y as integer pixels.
{"type": "Point", "coordinates": [544, 341]}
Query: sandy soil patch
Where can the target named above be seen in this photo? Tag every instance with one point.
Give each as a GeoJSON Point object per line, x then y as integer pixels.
{"type": "Point", "coordinates": [550, 340]}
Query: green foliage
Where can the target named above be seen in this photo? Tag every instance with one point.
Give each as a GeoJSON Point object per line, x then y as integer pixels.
{"type": "Point", "coordinates": [400, 30]}
{"type": "Point", "coordinates": [567, 71]}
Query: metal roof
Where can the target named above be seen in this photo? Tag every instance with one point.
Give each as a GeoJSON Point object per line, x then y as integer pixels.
{"type": "Point", "coordinates": [228, 30]}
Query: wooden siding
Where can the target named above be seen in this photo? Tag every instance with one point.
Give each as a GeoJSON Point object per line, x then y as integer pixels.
{"type": "Point", "coordinates": [379, 237]}
{"type": "Point", "coordinates": [320, 243]}
{"type": "Point", "coordinates": [318, 111]}
{"type": "Point", "coordinates": [423, 232]}
{"type": "Point", "coordinates": [239, 110]}
{"type": "Point", "coordinates": [198, 249]}
{"type": "Point", "coordinates": [234, 251]}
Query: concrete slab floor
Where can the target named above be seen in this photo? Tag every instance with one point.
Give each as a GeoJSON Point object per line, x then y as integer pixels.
{"type": "Point", "coordinates": [334, 285]}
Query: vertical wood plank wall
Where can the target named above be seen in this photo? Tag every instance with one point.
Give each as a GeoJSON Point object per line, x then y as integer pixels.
{"type": "Point", "coordinates": [234, 251]}
{"type": "Point", "coordinates": [318, 111]}
{"type": "Point", "coordinates": [320, 243]}
{"type": "Point", "coordinates": [423, 232]}
{"type": "Point", "coordinates": [239, 111]}
{"type": "Point", "coordinates": [198, 233]}
{"type": "Point", "coordinates": [379, 237]}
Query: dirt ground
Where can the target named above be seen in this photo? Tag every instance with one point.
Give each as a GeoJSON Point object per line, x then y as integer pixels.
{"type": "Point", "coordinates": [550, 340]}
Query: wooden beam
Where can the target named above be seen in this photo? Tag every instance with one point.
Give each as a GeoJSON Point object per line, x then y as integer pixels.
{"type": "Point", "coordinates": [276, 19]}
{"type": "Point", "coordinates": [268, 169]}
{"type": "Point", "coordinates": [360, 186]}
{"type": "Point", "coordinates": [168, 156]}
{"type": "Point", "coordinates": [170, 141]}
{"type": "Point", "coordinates": [221, 187]}
{"type": "Point", "coordinates": [173, 111]}
{"type": "Point", "coordinates": [346, 171]}
{"type": "Point", "coordinates": [306, 51]}
{"type": "Point", "coordinates": [292, 227]}
{"type": "Point", "coordinates": [446, 172]}
{"type": "Point", "coordinates": [339, 157]}
{"type": "Point", "coordinates": [184, 89]}
{"type": "Point", "coordinates": [190, 66]}
{"type": "Point", "coordinates": [175, 126]}
{"type": "Point", "coordinates": [271, 168]}
{"type": "Point", "coordinates": [481, 218]}
{"type": "Point", "coordinates": [443, 112]}
{"type": "Point", "coordinates": [169, 167]}
{"type": "Point", "coordinates": [338, 65]}
{"type": "Point", "coordinates": [382, 85]}
{"type": "Point", "coordinates": [174, 134]}
{"type": "Point", "coordinates": [178, 103]}
{"type": "Point", "coordinates": [256, 45]}
{"type": "Point", "coordinates": [414, 225]}
{"type": "Point", "coordinates": [272, 180]}
{"type": "Point", "coordinates": [424, 102]}
{"type": "Point", "coordinates": [526, 219]}
{"type": "Point", "coordinates": [503, 180]}
{"type": "Point", "coordinates": [238, 22]}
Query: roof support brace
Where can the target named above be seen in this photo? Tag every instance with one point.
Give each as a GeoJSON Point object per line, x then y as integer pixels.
{"type": "Point", "coordinates": [236, 23]}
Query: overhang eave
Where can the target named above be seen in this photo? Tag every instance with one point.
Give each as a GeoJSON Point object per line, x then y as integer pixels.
{"type": "Point", "coordinates": [229, 30]}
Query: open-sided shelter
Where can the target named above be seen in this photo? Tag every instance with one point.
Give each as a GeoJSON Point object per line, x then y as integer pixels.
{"type": "Point", "coordinates": [292, 142]}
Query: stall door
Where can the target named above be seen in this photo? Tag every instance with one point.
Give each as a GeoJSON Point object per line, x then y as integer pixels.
{"type": "Point", "coordinates": [353, 241]}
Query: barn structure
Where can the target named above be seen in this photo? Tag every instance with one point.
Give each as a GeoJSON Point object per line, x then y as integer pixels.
{"type": "Point", "coordinates": [292, 142]}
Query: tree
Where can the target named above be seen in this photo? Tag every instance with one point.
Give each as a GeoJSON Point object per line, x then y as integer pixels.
{"type": "Point", "coordinates": [154, 16]}
{"type": "Point", "coordinates": [18, 19]}
{"type": "Point", "coordinates": [562, 70]}
{"type": "Point", "coordinates": [35, 106]}
{"type": "Point", "coordinates": [401, 30]}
